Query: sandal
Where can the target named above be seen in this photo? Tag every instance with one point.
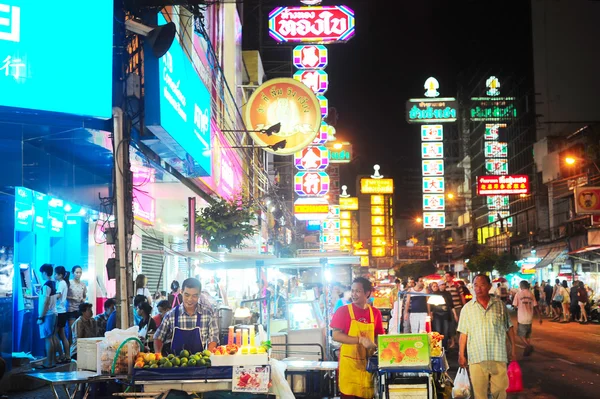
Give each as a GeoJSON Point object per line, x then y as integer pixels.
{"type": "Point", "coordinates": [63, 361]}
{"type": "Point", "coordinates": [42, 367]}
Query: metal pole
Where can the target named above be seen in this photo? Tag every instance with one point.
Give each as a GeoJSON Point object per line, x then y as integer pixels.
{"type": "Point", "coordinates": [119, 148]}
{"type": "Point", "coordinates": [191, 231]}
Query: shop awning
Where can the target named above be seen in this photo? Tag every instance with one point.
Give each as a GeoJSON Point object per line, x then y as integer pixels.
{"type": "Point", "coordinates": [551, 255]}
{"type": "Point", "coordinates": [585, 249]}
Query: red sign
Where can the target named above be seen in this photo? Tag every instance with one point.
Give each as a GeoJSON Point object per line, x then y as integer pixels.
{"type": "Point", "coordinates": [319, 24]}
{"type": "Point", "coordinates": [503, 185]}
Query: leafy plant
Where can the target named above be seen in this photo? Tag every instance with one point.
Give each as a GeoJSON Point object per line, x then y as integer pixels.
{"type": "Point", "coordinates": [483, 262]}
{"type": "Point", "coordinates": [416, 269]}
{"type": "Point", "coordinates": [226, 223]}
{"type": "Point", "coordinates": [506, 264]}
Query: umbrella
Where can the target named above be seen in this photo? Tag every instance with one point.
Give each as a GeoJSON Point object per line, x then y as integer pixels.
{"type": "Point", "coordinates": [499, 280]}
{"type": "Point", "coordinates": [433, 277]}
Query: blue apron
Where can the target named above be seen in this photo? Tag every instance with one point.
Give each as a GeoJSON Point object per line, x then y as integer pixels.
{"type": "Point", "coordinates": [191, 339]}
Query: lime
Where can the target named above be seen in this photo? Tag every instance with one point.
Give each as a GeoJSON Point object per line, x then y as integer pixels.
{"type": "Point", "coordinates": [171, 356]}
{"type": "Point", "coordinates": [176, 361]}
{"type": "Point", "coordinates": [206, 353]}
{"type": "Point", "coordinates": [198, 354]}
{"type": "Point", "coordinates": [184, 364]}
{"type": "Point", "coordinates": [184, 360]}
{"type": "Point", "coordinates": [184, 353]}
{"type": "Point", "coordinates": [162, 360]}
{"type": "Point", "coordinates": [146, 366]}
{"type": "Point", "coordinates": [168, 364]}
{"type": "Point", "coordinates": [154, 366]}
{"type": "Point", "coordinates": [202, 362]}
{"type": "Point", "coordinates": [192, 363]}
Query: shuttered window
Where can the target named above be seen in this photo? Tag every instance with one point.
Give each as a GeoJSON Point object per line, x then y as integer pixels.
{"type": "Point", "coordinates": [152, 264]}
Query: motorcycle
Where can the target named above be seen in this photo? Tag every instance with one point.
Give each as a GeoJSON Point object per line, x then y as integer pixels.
{"type": "Point", "coordinates": [594, 312]}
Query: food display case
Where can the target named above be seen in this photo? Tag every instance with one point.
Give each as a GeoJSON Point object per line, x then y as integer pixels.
{"type": "Point", "coordinates": [305, 326]}
{"type": "Point", "coordinates": [383, 299]}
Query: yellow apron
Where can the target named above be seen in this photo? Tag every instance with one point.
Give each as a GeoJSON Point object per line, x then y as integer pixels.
{"type": "Point", "coordinates": [354, 379]}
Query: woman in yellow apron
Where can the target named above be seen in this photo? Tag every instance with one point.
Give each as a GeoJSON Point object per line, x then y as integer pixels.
{"type": "Point", "coordinates": [356, 326]}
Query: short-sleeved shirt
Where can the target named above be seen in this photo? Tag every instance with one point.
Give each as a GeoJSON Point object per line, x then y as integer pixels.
{"type": "Point", "coordinates": [101, 321]}
{"type": "Point", "coordinates": [209, 331]}
{"type": "Point", "coordinates": [49, 293]}
{"type": "Point", "coordinates": [525, 302]}
{"type": "Point", "coordinates": [486, 330]}
{"type": "Point", "coordinates": [444, 310]}
{"type": "Point", "coordinates": [83, 329]}
{"type": "Point", "coordinates": [455, 291]}
{"type": "Point", "coordinates": [341, 318]}
{"type": "Point", "coordinates": [61, 303]}
{"type": "Point", "coordinates": [77, 290]}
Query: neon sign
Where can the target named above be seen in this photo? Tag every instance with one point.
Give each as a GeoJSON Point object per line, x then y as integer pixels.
{"type": "Point", "coordinates": [490, 109]}
{"type": "Point", "coordinates": [432, 150]}
{"type": "Point", "coordinates": [495, 149]}
{"type": "Point", "coordinates": [433, 167]}
{"type": "Point", "coordinates": [426, 110]}
{"type": "Point", "coordinates": [377, 186]}
{"type": "Point", "coordinates": [320, 24]}
{"type": "Point", "coordinates": [315, 79]}
{"type": "Point", "coordinates": [434, 220]}
{"type": "Point", "coordinates": [503, 185]}
{"type": "Point", "coordinates": [433, 185]}
{"type": "Point", "coordinates": [432, 132]}
{"type": "Point", "coordinates": [312, 158]}
{"type": "Point", "coordinates": [310, 57]}
{"type": "Point", "coordinates": [311, 183]}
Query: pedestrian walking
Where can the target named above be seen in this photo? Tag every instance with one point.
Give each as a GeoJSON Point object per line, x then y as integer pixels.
{"type": "Point", "coordinates": [484, 326]}
{"type": "Point", "coordinates": [548, 291]}
{"type": "Point", "coordinates": [557, 300]}
{"type": "Point", "coordinates": [526, 305]}
{"type": "Point", "coordinates": [442, 315]}
{"type": "Point", "coordinates": [458, 302]}
{"type": "Point", "coordinates": [418, 308]}
{"type": "Point", "coordinates": [582, 300]}
{"type": "Point", "coordinates": [566, 302]}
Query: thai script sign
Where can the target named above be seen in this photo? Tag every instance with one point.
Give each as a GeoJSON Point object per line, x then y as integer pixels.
{"type": "Point", "coordinates": [320, 24]}
{"type": "Point", "coordinates": [503, 185]}
{"type": "Point", "coordinates": [437, 110]}
{"type": "Point", "coordinates": [490, 109]}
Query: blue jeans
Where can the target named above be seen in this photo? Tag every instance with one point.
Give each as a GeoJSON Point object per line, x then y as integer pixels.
{"type": "Point", "coordinates": [441, 324]}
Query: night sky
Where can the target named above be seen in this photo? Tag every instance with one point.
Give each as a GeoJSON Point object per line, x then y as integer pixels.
{"type": "Point", "coordinates": [397, 46]}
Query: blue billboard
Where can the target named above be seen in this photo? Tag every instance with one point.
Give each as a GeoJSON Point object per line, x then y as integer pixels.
{"type": "Point", "coordinates": [57, 56]}
{"type": "Point", "coordinates": [178, 108]}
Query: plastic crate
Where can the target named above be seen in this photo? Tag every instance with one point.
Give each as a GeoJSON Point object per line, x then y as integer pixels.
{"type": "Point", "coordinates": [87, 352]}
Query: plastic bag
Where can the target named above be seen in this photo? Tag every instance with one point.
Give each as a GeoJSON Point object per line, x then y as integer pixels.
{"type": "Point", "coordinates": [515, 378]}
{"type": "Point", "coordinates": [281, 388]}
{"type": "Point", "coordinates": [462, 385]}
{"type": "Point", "coordinates": [107, 351]}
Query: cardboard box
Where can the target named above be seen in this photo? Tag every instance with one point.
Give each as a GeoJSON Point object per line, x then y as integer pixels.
{"type": "Point", "coordinates": [409, 351]}
{"type": "Point", "coordinates": [87, 352]}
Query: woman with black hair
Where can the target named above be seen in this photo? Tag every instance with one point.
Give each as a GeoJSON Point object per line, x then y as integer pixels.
{"type": "Point", "coordinates": [175, 297]}
{"type": "Point", "coordinates": [147, 324]}
{"type": "Point", "coordinates": [62, 288]}
{"type": "Point", "coordinates": [76, 295]}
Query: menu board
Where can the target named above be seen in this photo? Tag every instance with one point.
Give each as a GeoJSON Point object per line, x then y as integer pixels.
{"type": "Point", "coordinates": [409, 351]}
{"type": "Point", "coordinates": [251, 379]}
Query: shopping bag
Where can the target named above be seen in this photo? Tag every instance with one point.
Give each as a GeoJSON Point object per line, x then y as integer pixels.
{"type": "Point", "coordinates": [515, 378]}
{"type": "Point", "coordinates": [462, 385]}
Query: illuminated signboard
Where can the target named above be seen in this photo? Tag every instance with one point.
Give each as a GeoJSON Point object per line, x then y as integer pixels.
{"type": "Point", "coordinates": [503, 185]}
{"type": "Point", "coordinates": [378, 241]}
{"type": "Point", "coordinates": [431, 110]}
{"type": "Point", "coordinates": [311, 183]}
{"type": "Point", "coordinates": [502, 216]}
{"type": "Point", "coordinates": [497, 202]}
{"type": "Point", "coordinates": [433, 185]}
{"type": "Point", "coordinates": [377, 199]}
{"type": "Point", "coordinates": [377, 252]}
{"type": "Point", "coordinates": [340, 152]}
{"type": "Point", "coordinates": [312, 158]}
{"type": "Point", "coordinates": [376, 186]}
{"type": "Point", "coordinates": [432, 132]}
{"type": "Point", "coordinates": [490, 109]}
{"type": "Point", "coordinates": [377, 221]}
{"type": "Point", "coordinates": [323, 135]}
{"type": "Point", "coordinates": [313, 225]}
{"type": "Point", "coordinates": [431, 87]}
{"type": "Point", "coordinates": [315, 79]}
{"type": "Point", "coordinates": [321, 24]}
{"type": "Point", "coordinates": [178, 109]}
{"type": "Point", "coordinates": [377, 231]}
{"type": "Point", "coordinates": [324, 104]}
{"type": "Point", "coordinates": [432, 150]}
{"type": "Point", "coordinates": [334, 212]}
{"type": "Point", "coordinates": [311, 209]}
{"type": "Point", "coordinates": [434, 220]}
{"type": "Point", "coordinates": [51, 59]}
{"type": "Point", "coordinates": [377, 210]}
{"type": "Point", "coordinates": [290, 103]}
{"type": "Point", "coordinates": [364, 261]}
{"type": "Point", "coordinates": [345, 224]}
{"type": "Point", "coordinates": [495, 149]}
{"type": "Point", "coordinates": [492, 131]}
{"type": "Point", "coordinates": [349, 203]}
{"type": "Point", "coordinates": [587, 200]}
{"type": "Point", "coordinates": [493, 84]}
{"type": "Point", "coordinates": [330, 224]}
{"type": "Point", "coordinates": [496, 166]}
{"type": "Point", "coordinates": [433, 167]}
{"type": "Point", "coordinates": [433, 202]}
{"type": "Point", "coordinates": [310, 57]}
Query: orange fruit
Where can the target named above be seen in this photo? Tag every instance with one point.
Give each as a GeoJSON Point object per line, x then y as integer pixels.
{"type": "Point", "coordinates": [149, 357]}
{"type": "Point", "coordinates": [158, 356]}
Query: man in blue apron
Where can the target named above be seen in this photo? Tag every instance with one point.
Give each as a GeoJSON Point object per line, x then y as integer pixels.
{"type": "Point", "coordinates": [190, 325]}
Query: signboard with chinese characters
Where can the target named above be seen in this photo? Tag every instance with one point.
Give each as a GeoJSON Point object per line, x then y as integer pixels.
{"type": "Point", "coordinates": [432, 150]}
{"type": "Point", "coordinates": [492, 131]}
{"type": "Point", "coordinates": [376, 186]}
{"type": "Point", "coordinates": [495, 149]}
{"type": "Point", "coordinates": [315, 79]}
{"type": "Point", "coordinates": [290, 103]}
{"type": "Point", "coordinates": [319, 24]}
{"type": "Point", "coordinates": [496, 166]}
{"type": "Point", "coordinates": [433, 202]}
{"type": "Point", "coordinates": [433, 167]}
{"type": "Point", "coordinates": [434, 220]}
{"type": "Point", "coordinates": [178, 109]}
{"type": "Point", "coordinates": [50, 60]}
{"type": "Point", "coordinates": [492, 109]}
{"type": "Point", "coordinates": [431, 110]}
{"type": "Point", "coordinates": [433, 185]}
{"type": "Point", "coordinates": [413, 253]}
{"type": "Point", "coordinates": [501, 217]}
{"type": "Point", "coordinates": [502, 185]}
{"type": "Point", "coordinates": [310, 57]}
{"type": "Point", "coordinates": [497, 202]}
{"type": "Point", "coordinates": [312, 158]}
{"type": "Point", "coordinates": [311, 183]}
{"type": "Point", "coordinates": [432, 132]}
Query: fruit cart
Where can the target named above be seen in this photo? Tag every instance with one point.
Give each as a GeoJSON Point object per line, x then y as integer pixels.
{"type": "Point", "coordinates": [404, 366]}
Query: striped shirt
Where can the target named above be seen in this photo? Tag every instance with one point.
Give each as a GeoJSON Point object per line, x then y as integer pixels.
{"type": "Point", "coordinates": [455, 290]}
{"type": "Point", "coordinates": [486, 330]}
{"type": "Point", "coordinates": [209, 331]}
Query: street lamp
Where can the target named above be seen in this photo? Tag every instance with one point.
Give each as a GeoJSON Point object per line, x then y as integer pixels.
{"type": "Point", "coordinates": [570, 160]}
{"type": "Point", "coordinates": [450, 196]}
{"type": "Point", "coordinates": [338, 146]}
{"type": "Point", "coordinates": [418, 220]}
{"type": "Point", "coordinates": [273, 129]}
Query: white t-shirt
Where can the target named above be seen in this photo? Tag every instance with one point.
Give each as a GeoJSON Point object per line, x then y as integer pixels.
{"type": "Point", "coordinates": [525, 302]}
{"type": "Point", "coordinates": [61, 303]}
{"type": "Point", "coordinates": [143, 291]}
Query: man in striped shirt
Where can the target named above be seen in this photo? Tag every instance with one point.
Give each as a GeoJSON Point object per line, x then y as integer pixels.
{"type": "Point", "coordinates": [484, 326]}
{"type": "Point", "coordinates": [457, 301]}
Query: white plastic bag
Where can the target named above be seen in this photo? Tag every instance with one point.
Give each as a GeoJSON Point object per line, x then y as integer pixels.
{"type": "Point", "coordinates": [462, 385]}
{"type": "Point", "coordinates": [280, 386]}
{"type": "Point", "coordinates": [107, 351]}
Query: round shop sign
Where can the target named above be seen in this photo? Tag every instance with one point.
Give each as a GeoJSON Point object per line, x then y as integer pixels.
{"type": "Point", "coordinates": [291, 104]}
